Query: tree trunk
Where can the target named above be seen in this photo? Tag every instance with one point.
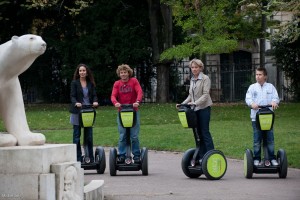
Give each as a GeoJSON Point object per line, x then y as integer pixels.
{"type": "Point", "coordinates": [154, 6]}
{"type": "Point", "coordinates": [160, 16]}
{"type": "Point", "coordinates": [162, 91]}
{"type": "Point", "coordinates": [262, 40]}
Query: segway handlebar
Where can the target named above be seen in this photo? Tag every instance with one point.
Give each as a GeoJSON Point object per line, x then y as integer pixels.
{"type": "Point", "coordinates": [265, 106]}
{"type": "Point", "coordinates": [89, 106]}
{"type": "Point", "coordinates": [124, 106]}
{"type": "Point", "coordinates": [86, 106]}
{"type": "Point", "coordinates": [185, 106]}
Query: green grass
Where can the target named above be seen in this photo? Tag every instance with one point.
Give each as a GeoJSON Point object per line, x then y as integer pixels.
{"type": "Point", "coordinates": [161, 130]}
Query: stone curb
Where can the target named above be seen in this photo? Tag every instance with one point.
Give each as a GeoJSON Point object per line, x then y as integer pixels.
{"type": "Point", "coordinates": [94, 190]}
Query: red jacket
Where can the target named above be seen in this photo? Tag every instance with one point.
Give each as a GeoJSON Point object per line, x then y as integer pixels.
{"type": "Point", "coordinates": [126, 92]}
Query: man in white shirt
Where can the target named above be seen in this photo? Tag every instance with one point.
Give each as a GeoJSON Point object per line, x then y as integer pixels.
{"type": "Point", "coordinates": [258, 94]}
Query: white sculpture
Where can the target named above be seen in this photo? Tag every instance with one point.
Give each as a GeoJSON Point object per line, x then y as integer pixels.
{"type": "Point", "coordinates": [16, 56]}
{"type": "Point", "coordinates": [70, 179]}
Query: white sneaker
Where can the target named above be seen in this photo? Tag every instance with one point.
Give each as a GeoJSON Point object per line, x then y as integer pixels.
{"type": "Point", "coordinates": [274, 162]}
{"type": "Point", "coordinates": [256, 162]}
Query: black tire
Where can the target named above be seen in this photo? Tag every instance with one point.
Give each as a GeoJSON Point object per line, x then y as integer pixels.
{"type": "Point", "coordinates": [248, 163]}
{"type": "Point", "coordinates": [144, 161]}
{"type": "Point", "coordinates": [214, 165]}
{"type": "Point", "coordinates": [186, 162]}
{"type": "Point", "coordinates": [113, 161]}
{"type": "Point", "coordinates": [100, 160]}
{"type": "Point", "coordinates": [283, 163]}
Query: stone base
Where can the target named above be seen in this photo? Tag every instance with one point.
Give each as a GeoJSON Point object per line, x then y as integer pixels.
{"type": "Point", "coordinates": [94, 190]}
{"type": "Point", "coordinates": [27, 186]}
{"type": "Point", "coordinates": [43, 172]}
{"type": "Point", "coordinates": [35, 159]}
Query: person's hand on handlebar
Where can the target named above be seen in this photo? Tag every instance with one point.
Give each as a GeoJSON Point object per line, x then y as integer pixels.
{"type": "Point", "coordinates": [254, 106]}
{"type": "Point", "coordinates": [274, 105]}
{"type": "Point", "coordinates": [136, 104]}
{"type": "Point", "coordinates": [191, 103]}
{"type": "Point", "coordinates": [78, 105]}
{"type": "Point", "coordinates": [95, 104]}
{"type": "Point", "coordinates": [117, 105]}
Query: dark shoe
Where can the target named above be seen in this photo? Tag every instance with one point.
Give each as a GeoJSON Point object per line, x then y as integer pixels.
{"type": "Point", "coordinates": [80, 159]}
{"type": "Point", "coordinates": [121, 159]}
{"type": "Point", "coordinates": [137, 160]}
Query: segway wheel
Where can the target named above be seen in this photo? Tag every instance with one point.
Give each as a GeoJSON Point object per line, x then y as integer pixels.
{"type": "Point", "coordinates": [248, 164]}
{"type": "Point", "coordinates": [214, 165]}
{"type": "Point", "coordinates": [186, 162]}
{"type": "Point", "coordinates": [144, 153]}
{"type": "Point", "coordinates": [113, 162]}
{"type": "Point", "coordinates": [100, 160]}
{"type": "Point", "coordinates": [283, 163]}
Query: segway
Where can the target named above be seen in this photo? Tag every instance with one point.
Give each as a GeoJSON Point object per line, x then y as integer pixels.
{"type": "Point", "coordinates": [264, 121]}
{"type": "Point", "coordinates": [213, 164]}
{"type": "Point", "coordinates": [127, 117]}
{"type": "Point", "coordinates": [87, 116]}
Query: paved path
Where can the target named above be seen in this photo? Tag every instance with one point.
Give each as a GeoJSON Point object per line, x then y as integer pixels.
{"type": "Point", "coordinates": [166, 181]}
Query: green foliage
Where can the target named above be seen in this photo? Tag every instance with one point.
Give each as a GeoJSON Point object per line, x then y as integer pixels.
{"type": "Point", "coordinates": [73, 8]}
{"type": "Point", "coordinates": [286, 45]}
{"type": "Point", "coordinates": [177, 52]}
{"type": "Point", "coordinates": [210, 27]}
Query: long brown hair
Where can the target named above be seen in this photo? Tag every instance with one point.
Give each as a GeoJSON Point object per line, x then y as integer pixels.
{"type": "Point", "coordinates": [89, 74]}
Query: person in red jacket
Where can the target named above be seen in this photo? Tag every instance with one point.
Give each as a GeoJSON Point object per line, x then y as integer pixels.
{"type": "Point", "coordinates": [127, 90]}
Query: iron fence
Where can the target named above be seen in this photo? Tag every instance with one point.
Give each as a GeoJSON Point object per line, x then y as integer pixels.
{"type": "Point", "coordinates": [229, 83]}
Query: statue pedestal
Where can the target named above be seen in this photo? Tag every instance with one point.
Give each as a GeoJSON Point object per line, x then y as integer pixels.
{"type": "Point", "coordinates": [46, 172]}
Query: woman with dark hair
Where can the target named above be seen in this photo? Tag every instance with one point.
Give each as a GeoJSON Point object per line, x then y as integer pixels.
{"type": "Point", "coordinates": [83, 92]}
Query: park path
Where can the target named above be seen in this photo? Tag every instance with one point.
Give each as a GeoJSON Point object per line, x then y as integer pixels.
{"type": "Point", "coordinates": [166, 181]}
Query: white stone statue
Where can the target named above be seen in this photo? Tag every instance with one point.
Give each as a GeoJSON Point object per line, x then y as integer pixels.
{"type": "Point", "coordinates": [16, 56]}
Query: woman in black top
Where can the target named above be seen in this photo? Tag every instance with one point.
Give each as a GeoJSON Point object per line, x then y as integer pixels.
{"type": "Point", "coordinates": [83, 92]}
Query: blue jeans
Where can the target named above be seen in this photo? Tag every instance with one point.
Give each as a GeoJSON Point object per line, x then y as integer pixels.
{"type": "Point", "coordinates": [134, 137]}
{"type": "Point", "coordinates": [257, 139]}
{"type": "Point", "coordinates": [206, 142]}
{"type": "Point", "coordinates": [87, 141]}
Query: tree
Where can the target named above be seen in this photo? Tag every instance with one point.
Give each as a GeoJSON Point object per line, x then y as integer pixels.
{"type": "Point", "coordinates": [261, 10]}
{"type": "Point", "coordinates": [102, 34]}
{"type": "Point", "coordinates": [118, 34]}
{"type": "Point", "coordinates": [208, 26]}
{"type": "Point", "coordinates": [286, 47]}
{"type": "Point", "coordinates": [161, 24]}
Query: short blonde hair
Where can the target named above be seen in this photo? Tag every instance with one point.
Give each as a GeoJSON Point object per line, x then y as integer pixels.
{"type": "Point", "coordinates": [124, 67]}
{"type": "Point", "coordinates": [197, 62]}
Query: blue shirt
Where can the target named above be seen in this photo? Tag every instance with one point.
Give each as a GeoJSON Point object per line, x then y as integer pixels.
{"type": "Point", "coordinates": [261, 95]}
